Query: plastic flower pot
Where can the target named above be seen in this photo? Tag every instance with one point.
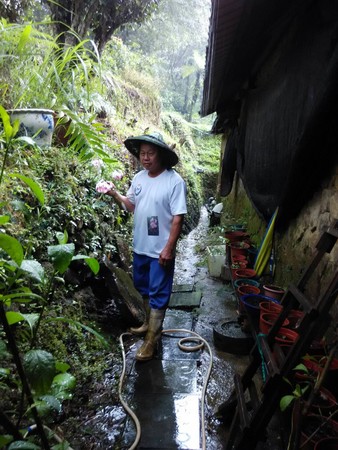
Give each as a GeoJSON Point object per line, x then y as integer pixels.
{"type": "Point", "coordinates": [239, 248]}
{"type": "Point", "coordinates": [270, 290]}
{"type": "Point", "coordinates": [238, 258]}
{"type": "Point", "coordinates": [324, 402]}
{"type": "Point", "coordinates": [286, 337]}
{"type": "Point", "coordinates": [270, 306]}
{"type": "Point", "coordinates": [295, 316]}
{"type": "Point", "coordinates": [248, 289]}
{"type": "Point", "coordinates": [315, 365]}
{"type": "Point", "coordinates": [235, 235]}
{"type": "Point", "coordinates": [266, 320]}
{"type": "Point", "coordinates": [237, 265]}
{"type": "Point", "coordinates": [250, 304]}
{"type": "Point", "coordinates": [316, 428]}
{"type": "Point", "coordinates": [246, 281]}
{"type": "Point", "coordinates": [329, 443]}
{"type": "Point", "coordinates": [245, 273]}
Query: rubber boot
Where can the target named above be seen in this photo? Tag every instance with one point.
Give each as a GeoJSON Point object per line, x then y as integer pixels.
{"type": "Point", "coordinates": [142, 330]}
{"type": "Point", "coordinates": [147, 349]}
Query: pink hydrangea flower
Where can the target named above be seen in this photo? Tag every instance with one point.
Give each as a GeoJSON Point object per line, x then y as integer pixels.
{"type": "Point", "coordinates": [117, 175]}
{"type": "Point", "coordinates": [104, 186]}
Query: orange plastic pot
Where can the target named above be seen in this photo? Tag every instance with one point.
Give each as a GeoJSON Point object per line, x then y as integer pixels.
{"type": "Point", "coordinates": [245, 273]}
{"type": "Point", "coordinates": [270, 306]}
{"type": "Point", "coordinates": [295, 316]}
{"type": "Point", "coordinates": [235, 236]}
{"type": "Point", "coordinates": [286, 337]}
{"type": "Point", "coordinates": [266, 320]}
{"type": "Point", "coordinates": [239, 248]}
{"type": "Point", "coordinates": [248, 289]}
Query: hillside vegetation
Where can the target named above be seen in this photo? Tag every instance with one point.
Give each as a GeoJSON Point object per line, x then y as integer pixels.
{"type": "Point", "coordinates": [55, 229]}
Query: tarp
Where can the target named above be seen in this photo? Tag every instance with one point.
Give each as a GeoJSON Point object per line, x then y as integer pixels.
{"type": "Point", "coordinates": [287, 137]}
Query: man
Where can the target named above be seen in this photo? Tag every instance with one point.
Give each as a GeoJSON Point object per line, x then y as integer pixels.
{"type": "Point", "coordinates": [157, 196]}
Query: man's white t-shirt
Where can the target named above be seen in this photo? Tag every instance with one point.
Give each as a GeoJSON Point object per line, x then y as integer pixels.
{"type": "Point", "coordinates": [156, 200]}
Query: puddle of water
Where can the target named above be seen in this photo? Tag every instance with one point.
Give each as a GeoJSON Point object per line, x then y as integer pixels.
{"type": "Point", "coordinates": [186, 258]}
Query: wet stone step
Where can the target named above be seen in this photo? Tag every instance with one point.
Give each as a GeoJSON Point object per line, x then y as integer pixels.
{"type": "Point", "coordinates": [162, 377]}
{"type": "Point", "coordinates": [167, 422]}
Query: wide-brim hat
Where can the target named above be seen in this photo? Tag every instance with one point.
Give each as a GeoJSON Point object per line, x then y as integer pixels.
{"type": "Point", "coordinates": [133, 144]}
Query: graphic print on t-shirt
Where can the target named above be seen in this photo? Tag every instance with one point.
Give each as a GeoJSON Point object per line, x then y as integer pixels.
{"type": "Point", "coordinates": [153, 229]}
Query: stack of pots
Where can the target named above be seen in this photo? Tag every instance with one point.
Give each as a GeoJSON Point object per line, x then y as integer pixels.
{"type": "Point", "coordinates": [251, 304]}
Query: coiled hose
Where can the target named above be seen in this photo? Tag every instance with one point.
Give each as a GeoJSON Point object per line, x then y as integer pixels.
{"type": "Point", "coordinates": [200, 343]}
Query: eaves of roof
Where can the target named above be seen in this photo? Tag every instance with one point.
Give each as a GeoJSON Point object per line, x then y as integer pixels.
{"type": "Point", "coordinates": [241, 34]}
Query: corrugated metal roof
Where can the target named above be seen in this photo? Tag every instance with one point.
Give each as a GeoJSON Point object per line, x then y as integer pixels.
{"type": "Point", "coordinates": [241, 31]}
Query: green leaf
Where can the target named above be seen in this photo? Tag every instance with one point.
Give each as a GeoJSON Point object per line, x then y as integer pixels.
{"type": "Point", "coordinates": [8, 129]}
{"type": "Point", "coordinates": [61, 256]}
{"type": "Point", "coordinates": [40, 370]}
{"type": "Point", "coordinates": [285, 401]}
{"type": "Point", "coordinates": [31, 319]}
{"type": "Point", "coordinates": [4, 219]}
{"type": "Point", "coordinates": [91, 262]}
{"type": "Point", "coordinates": [12, 247]}
{"type": "Point", "coordinates": [23, 445]}
{"type": "Point", "coordinates": [64, 380]}
{"type": "Point", "coordinates": [99, 336]}
{"type": "Point", "coordinates": [25, 139]}
{"type": "Point", "coordinates": [33, 185]}
{"type": "Point", "coordinates": [14, 317]}
{"type": "Point", "coordinates": [48, 404]}
{"type": "Point", "coordinates": [301, 368]}
{"type": "Point", "coordinates": [33, 268]}
{"type": "Point", "coordinates": [24, 38]}
{"type": "Point", "coordinates": [62, 237]}
{"type": "Point", "coordinates": [23, 297]}
{"type": "Point", "coordinates": [61, 366]}
{"type": "Point", "coordinates": [4, 440]}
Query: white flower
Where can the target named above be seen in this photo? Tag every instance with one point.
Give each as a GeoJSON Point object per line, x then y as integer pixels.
{"type": "Point", "coordinates": [97, 163]}
{"type": "Point", "coordinates": [117, 175]}
{"type": "Point", "coordinates": [104, 186]}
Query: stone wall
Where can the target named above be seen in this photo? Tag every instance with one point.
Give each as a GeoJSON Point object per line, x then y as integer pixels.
{"type": "Point", "coordinates": [294, 246]}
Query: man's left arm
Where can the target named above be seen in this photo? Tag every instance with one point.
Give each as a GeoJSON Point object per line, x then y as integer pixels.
{"type": "Point", "coordinates": [168, 253]}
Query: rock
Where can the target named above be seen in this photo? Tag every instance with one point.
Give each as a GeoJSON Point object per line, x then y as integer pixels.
{"type": "Point", "coordinates": [132, 298]}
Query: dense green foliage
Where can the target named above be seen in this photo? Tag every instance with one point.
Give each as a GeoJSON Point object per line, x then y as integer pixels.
{"type": "Point", "coordinates": [55, 229]}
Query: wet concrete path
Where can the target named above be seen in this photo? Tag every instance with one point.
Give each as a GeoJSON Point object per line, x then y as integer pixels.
{"type": "Point", "coordinates": [166, 393]}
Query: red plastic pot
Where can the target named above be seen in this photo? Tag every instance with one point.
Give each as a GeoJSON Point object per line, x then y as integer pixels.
{"type": "Point", "coordinates": [239, 248]}
{"type": "Point", "coordinates": [286, 337]}
{"type": "Point", "coordinates": [323, 427]}
{"type": "Point", "coordinates": [248, 289]}
{"type": "Point", "coordinates": [245, 273]}
{"type": "Point", "coordinates": [270, 290]}
{"type": "Point", "coordinates": [330, 443]}
{"type": "Point", "coordinates": [235, 236]}
{"type": "Point", "coordinates": [270, 306]}
{"type": "Point", "coordinates": [238, 258]}
{"type": "Point", "coordinates": [316, 363]}
{"type": "Point", "coordinates": [295, 316]}
{"type": "Point", "coordinates": [324, 403]}
{"type": "Point", "coordinates": [245, 281]}
{"type": "Point", "coordinates": [266, 320]}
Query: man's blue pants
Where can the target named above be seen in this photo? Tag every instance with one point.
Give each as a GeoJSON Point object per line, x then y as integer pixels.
{"type": "Point", "coordinates": [153, 280]}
